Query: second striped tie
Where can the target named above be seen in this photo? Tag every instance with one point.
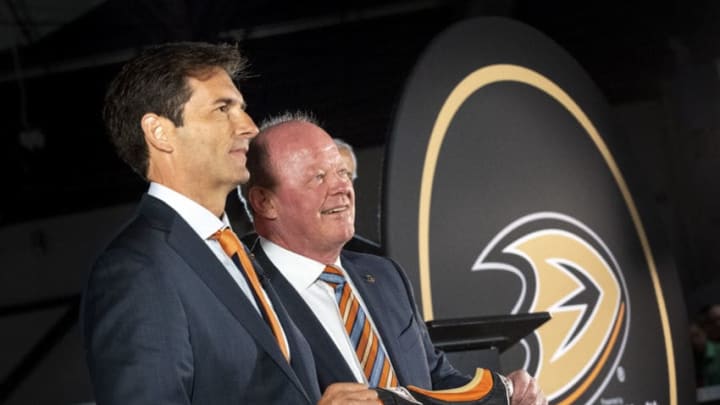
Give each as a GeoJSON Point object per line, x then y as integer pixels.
{"type": "Point", "coordinates": [373, 359]}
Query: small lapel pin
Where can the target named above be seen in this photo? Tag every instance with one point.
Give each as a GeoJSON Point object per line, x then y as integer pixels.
{"type": "Point", "coordinates": [369, 278]}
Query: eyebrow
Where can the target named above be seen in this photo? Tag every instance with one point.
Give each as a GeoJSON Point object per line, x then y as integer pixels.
{"type": "Point", "coordinates": [231, 101]}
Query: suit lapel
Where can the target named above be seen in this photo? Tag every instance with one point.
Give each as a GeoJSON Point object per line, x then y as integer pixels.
{"type": "Point", "coordinates": [201, 259]}
{"type": "Point", "coordinates": [331, 366]}
{"type": "Point", "coordinates": [302, 361]}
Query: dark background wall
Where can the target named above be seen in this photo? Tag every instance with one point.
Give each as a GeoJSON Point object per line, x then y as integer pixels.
{"type": "Point", "coordinates": [64, 189]}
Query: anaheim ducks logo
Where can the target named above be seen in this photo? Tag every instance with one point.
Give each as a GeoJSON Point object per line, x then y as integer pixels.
{"type": "Point", "coordinates": [567, 270]}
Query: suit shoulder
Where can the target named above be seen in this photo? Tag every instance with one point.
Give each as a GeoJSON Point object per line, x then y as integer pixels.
{"type": "Point", "coordinates": [140, 244]}
{"type": "Point", "coordinates": [372, 263]}
{"type": "Point", "coordinates": [355, 256]}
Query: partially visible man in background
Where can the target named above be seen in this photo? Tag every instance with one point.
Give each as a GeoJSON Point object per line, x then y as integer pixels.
{"type": "Point", "coordinates": [358, 242]}
{"type": "Point", "coordinates": [348, 155]}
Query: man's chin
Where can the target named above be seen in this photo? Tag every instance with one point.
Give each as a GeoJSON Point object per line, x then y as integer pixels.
{"type": "Point", "coordinates": [243, 178]}
{"type": "Point", "coordinates": [342, 238]}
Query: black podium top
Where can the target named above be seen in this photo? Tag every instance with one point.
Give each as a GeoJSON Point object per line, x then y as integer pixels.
{"type": "Point", "coordinates": [484, 332]}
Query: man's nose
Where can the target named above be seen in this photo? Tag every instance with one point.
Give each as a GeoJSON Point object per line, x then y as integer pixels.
{"type": "Point", "coordinates": [245, 126]}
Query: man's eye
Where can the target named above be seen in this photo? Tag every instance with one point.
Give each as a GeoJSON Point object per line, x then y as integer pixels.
{"type": "Point", "coordinates": [224, 108]}
{"type": "Point", "coordinates": [319, 176]}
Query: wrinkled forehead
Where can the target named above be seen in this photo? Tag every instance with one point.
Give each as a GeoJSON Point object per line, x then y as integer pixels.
{"type": "Point", "coordinates": [299, 144]}
{"type": "Point", "coordinates": [298, 134]}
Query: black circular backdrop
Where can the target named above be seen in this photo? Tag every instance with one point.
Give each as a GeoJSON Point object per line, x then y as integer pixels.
{"type": "Point", "coordinates": [506, 191]}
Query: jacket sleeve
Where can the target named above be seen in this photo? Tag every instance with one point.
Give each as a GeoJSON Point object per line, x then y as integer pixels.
{"type": "Point", "coordinates": [135, 333]}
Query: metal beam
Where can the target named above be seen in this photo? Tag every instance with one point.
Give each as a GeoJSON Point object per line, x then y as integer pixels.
{"type": "Point", "coordinates": [240, 35]}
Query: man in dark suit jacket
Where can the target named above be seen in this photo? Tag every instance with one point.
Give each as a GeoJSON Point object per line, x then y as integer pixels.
{"type": "Point", "coordinates": [302, 198]}
{"type": "Point", "coordinates": [386, 294]}
{"type": "Point", "coordinates": [168, 317]}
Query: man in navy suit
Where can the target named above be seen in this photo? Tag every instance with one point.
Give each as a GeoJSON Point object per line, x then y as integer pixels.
{"type": "Point", "coordinates": [302, 197]}
{"type": "Point", "coordinates": [168, 317]}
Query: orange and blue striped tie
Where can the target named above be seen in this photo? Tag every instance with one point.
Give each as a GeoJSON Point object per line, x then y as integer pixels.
{"type": "Point", "coordinates": [234, 248]}
{"type": "Point", "coordinates": [373, 359]}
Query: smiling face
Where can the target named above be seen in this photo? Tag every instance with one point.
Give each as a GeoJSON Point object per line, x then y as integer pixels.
{"type": "Point", "coordinates": [313, 203]}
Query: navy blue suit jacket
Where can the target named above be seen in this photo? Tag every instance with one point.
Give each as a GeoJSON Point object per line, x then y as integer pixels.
{"type": "Point", "coordinates": [164, 323]}
{"type": "Point", "coordinates": [388, 296]}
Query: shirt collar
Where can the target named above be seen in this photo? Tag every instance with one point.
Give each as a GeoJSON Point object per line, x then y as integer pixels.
{"type": "Point", "coordinates": [200, 219]}
{"type": "Point", "coordinates": [299, 270]}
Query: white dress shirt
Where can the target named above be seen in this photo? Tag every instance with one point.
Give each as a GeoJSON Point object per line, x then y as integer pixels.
{"type": "Point", "coordinates": [303, 273]}
{"type": "Point", "coordinates": [205, 224]}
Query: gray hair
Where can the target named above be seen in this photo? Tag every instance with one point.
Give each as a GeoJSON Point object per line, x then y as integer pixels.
{"type": "Point", "coordinates": [289, 116]}
{"type": "Point", "coordinates": [341, 144]}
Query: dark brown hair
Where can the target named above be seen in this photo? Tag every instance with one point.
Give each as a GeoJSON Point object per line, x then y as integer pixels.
{"type": "Point", "coordinates": [156, 82]}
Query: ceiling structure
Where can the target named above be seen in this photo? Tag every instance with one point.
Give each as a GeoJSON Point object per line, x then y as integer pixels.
{"type": "Point", "coordinates": [345, 61]}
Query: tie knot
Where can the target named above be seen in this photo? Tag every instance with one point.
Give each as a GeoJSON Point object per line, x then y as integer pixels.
{"type": "Point", "coordinates": [332, 276]}
{"type": "Point", "coordinates": [228, 240]}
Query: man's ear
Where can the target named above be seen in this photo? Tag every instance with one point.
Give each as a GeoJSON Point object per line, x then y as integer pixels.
{"type": "Point", "coordinates": [157, 130]}
{"type": "Point", "coordinates": [262, 202]}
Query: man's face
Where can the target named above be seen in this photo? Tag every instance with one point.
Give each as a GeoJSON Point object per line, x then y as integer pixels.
{"type": "Point", "coordinates": [314, 198]}
{"type": "Point", "coordinates": [213, 141]}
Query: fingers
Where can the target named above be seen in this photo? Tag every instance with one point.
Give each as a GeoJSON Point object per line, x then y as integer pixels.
{"type": "Point", "coordinates": [521, 381]}
{"type": "Point", "coordinates": [526, 389]}
{"type": "Point", "coordinates": [349, 394]}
